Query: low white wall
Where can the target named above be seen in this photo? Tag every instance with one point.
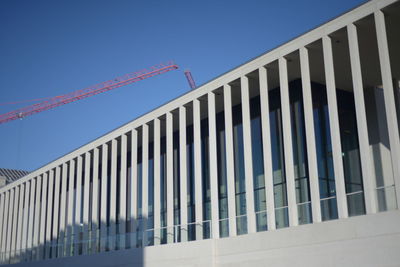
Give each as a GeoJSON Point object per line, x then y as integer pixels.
{"type": "Point", "coordinates": [371, 240]}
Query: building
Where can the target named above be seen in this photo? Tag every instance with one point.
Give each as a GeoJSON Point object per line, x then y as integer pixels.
{"type": "Point", "coordinates": [8, 175]}
{"type": "Point", "coordinates": [291, 159]}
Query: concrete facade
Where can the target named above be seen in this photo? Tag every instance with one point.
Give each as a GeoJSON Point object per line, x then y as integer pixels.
{"type": "Point", "coordinates": [289, 159]}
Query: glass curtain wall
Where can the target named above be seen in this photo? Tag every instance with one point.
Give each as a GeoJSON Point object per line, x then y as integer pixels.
{"type": "Point", "coordinates": [190, 184]}
{"type": "Point", "coordinates": [163, 190]}
{"type": "Point", "coordinates": [140, 225]}
{"type": "Point", "coordinates": [260, 204]}
{"type": "Point", "coordinates": [222, 182]}
{"type": "Point", "coordinates": [350, 153]}
{"type": "Point", "coordinates": [205, 171]}
{"type": "Point", "coordinates": [278, 164]}
{"type": "Point", "coordinates": [150, 194]}
{"type": "Point", "coordinates": [303, 198]}
{"type": "Point", "coordinates": [326, 175]}
{"type": "Point", "coordinates": [240, 184]}
{"type": "Point", "coordinates": [177, 184]}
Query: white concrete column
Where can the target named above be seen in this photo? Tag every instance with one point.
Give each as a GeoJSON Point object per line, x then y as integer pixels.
{"type": "Point", "coordinates": [15, 222]}
{"type": "Point", "coordinates": [2, 224]}
{"type": "Point", "coordinates": [20, 219]}
{"type": "Point", "coordinates": [145, 182]}
{"type": "Point", "coordinates": [36, 228]}
{"type": "Point", "coordinates": [389, 97]}
{"type": "Point", "coordinates": [197, 169]}
{"type": "Point", "coordinates": [103, 204]}
{"type": "Point", "coordinates": [86, 204]}
{"type": "Point", "coordinates": [3, 221]}
{"type": "Point", "coordinates": [10, 223]}
{"type": "Point", "coordinates": [42, 230]}
{"type": "Point", "coordinates": [2, 199]}
{"type": "Point", "coordinates": [63, 204]}
{"type": "Point", "coordinates": [287, 142]}
{"type": "Point", "coordinates": [266, 138]}
{"type": "Point", "coordinates": [183, 173]}
{"type": "Point", "coordinates": [113, 195]}
{"type": "Point", "coordinates": [170, 178]}
{"type": "Point", "coordinates": [310, 135]}
{"type": "Point", "coordinates": [334, 128]}
{"type": "Point", "coordinates": [362, 127]}
{"type": "Point", "coordinates": [122, 193]}
{"type": "Point", "coordinates": [56, 209]}
{"type": "Point", "coordinates": [5, 225]}
{"type": "Point", "coordinates": [50, 210]}
{"type": "Point", "coordinates": [70, 208]}
{"type": "Point", "coordinates": [212, 132]}
{"type": "Point", "coordinates": [157, 183]}
{"type": "Point", "coordinates": [78, 201]}
{"type": "Point", "coordinates": [95, 200]}
{"type": "Point", "coordinates": [230, 162]}
{"type": "Point", "coordinates": [248, 156]}
{"type": "Point", "coordinates": [134, 186]}
{"type": "Point", "coordinates": [32, 217]}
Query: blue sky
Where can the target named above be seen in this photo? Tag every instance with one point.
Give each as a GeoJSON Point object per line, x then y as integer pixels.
{"type": "Point", "coordinates": [49, 48]}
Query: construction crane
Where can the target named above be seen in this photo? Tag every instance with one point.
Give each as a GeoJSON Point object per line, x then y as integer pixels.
{"type": "Point", "coordinates": [190, 79]}
{"type": "Point", "coordinates": [84, 93]}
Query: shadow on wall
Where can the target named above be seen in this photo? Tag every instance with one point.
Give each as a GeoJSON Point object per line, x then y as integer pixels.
{"type": "Point", "coordinates": [108, 246]}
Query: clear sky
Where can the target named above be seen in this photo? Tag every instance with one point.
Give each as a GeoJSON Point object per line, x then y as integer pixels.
{"type": "Point", "coordinates": [52, 47]}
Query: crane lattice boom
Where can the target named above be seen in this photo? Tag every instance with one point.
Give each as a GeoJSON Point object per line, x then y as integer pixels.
{"type": "Point", "coordinates": [90, 91]}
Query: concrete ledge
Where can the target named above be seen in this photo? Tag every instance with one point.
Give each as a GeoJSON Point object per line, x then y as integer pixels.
{"type": "Point", "coordinates": [369, 240]}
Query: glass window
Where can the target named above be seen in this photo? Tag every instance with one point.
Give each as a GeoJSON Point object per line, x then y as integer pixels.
{"type": "Point", "coordinates": [323, 143]}
{"type": "Point", "coordinates": [240, 185]}
{"type": "Point", "coordinates": [278, 167]}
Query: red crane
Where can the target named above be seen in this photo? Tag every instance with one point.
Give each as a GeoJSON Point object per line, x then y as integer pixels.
{"type": "Point", "coordinates": [90, 91]}
{"type": "Point", "coordinates": [190, 79]}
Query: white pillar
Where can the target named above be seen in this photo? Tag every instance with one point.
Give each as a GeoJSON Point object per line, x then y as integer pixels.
{"type": "Point", "coordinates": [145, 181]}
{"type": "Point", "coordinates": [310, 135]}
{"type": "Point", "coordinates": [86, 204]}
{"type": "Point", "coordinates": [15, 222]}
{"type": "Point", "coordinates": [157, 183]}
{"type": "Point", "coordinates": [248, 156]}
{"type": "Point", "coordinates": [50, 210]}
{"type": "Point", "coordinates": [21, 219]}
{"type": "Point", "coordinates": [170, 179]}
{"type": "Point", "coordinates": [10, 223]}
{"type": "Point", "coordinates": [2, 224]}
{"type": "Point", "coordinates": [389, 97]}
{"type": "Point", "coordinates": [78, 201]}
{"type": "Point", "coordinates": [134, 184]}
{"type": "Point", "coordinates": [213, 165]}
{"type": "Point", "coordinates": [70, 209]}
{"type": "Point", "coordinates": [36, 228]}
{"type": "Point", "coordinates": [32, 217]}
{"type": "Point", "coordinates": [95, 200]}
{"type": "Point", "coordinates": [63, 203]}
{"type": "Point", "coordinates": [103, 205]}
{"type": "Point", "coordinates": [5, 225]}
{"type": "Point", "coordinates": [42, 230]}
{"type": "Point", "coordinates": [335, 128]}
{"type": "Point", "coordinates": [362, 127]}
{"type": "Point", "coordinates": [266, 137]}
{"type": "Point", "coordinates": [287, 142]}
{"type": "Point", "coordinates": [183, 172]}
{"type": "Point", "coordinates": [56, 208]}
{"type": "Point", "coordinates": [122, 193]}
{"type": "Point", "coordinates": [197, 169]}
{"type": "Point", "coordinates": [113, 195]}
{"type": "Point", "coordinates": [230, 162]}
